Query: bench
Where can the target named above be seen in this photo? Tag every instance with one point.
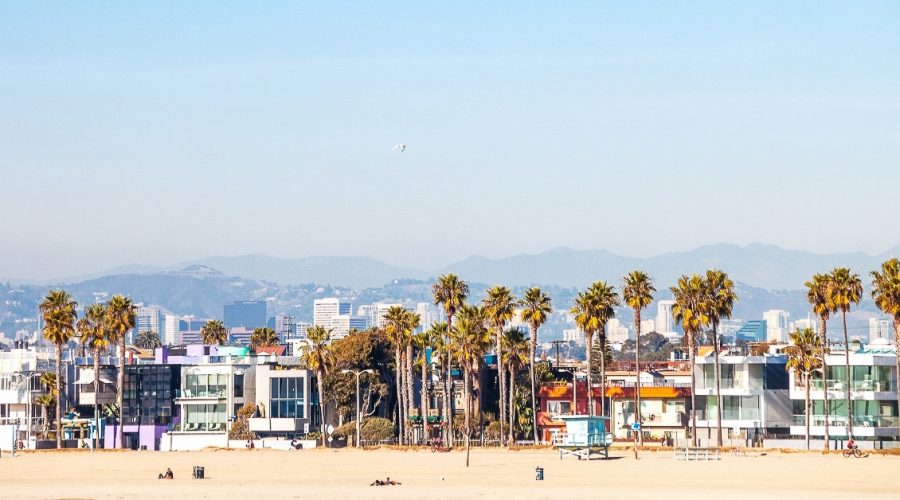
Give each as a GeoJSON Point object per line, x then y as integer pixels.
{"type": "Point", "coordinates": [696, 453]}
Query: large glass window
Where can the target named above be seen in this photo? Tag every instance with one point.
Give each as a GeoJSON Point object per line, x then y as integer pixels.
{"type": "Point", "coordinates": [204, 418]}
{"type": "Point", "coordinates": [559, 407]}
{"type": "Point", "coordinates": [205, 385]}
{"type": "Point", "coordinates": [286, 397]}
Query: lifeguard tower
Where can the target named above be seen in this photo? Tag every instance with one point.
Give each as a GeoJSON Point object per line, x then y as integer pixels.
{"type": "Point", "coordinates": [586, 437]}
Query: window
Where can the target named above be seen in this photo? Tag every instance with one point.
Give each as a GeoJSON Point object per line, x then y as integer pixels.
{"type": "Point", "coordinates": [238, 385]}
{"type": "Point", "coordinates": [559, 407]}
{"type": "Point", "coordinates": [205, 385]}
{"type": "Point", "coordinates": [204, 418]}
{"type": "Point", "coordinates": [286, 397]}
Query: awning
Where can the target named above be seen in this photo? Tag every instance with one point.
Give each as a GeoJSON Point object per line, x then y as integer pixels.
{"type": "Point", "coordinates": [87, 377]}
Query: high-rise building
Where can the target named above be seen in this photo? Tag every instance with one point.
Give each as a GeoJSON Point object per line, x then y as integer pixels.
{"type": "Point", "coordinates": [428, 315]}
{"type": "Point", "coordinates": [285, 327]}
{"type": "Point", "coordinates": [169, 334]}
{"type": "Point", "coordinates": [777, 324]}
{"type": "Point", "coordinates": [327, 308]}
{"type": "Point", "coordinates": [615, 331]}
{"type": "Point", "coordinates": [802, 324]}
{"type": "Point", "coordinates": [664, 321]}
{"type": "Point", "coordinates": [343, 323]}
{"type": "Point", "coordinates": [574, 335]}
{"type": "Point", "coordinates": [879, 329]}
{"type": "Point", "coordinates": [647, 326]}
{"type": "Point", "coordinates": [246, 313]}
{"type": "Point", "coordinates": [147, 319]}
{"type": "Point", "coordinates": [752, 331]}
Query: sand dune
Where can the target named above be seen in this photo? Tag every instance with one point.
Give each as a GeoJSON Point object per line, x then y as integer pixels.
{"type": "Point", "coordinates": [342, 474]}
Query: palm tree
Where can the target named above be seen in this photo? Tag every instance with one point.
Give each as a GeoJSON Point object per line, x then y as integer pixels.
{"type": "Point", "coordinates": [470, 336]}
{"type": "Point", "coordinates": [886, 292]}
{"type": "Point", "coordinates": [450, 292]}
{"type": "Point", "coordinates": [263, 337]}
{"type": "Point", "coordinates": [119, 318]}
{"type": "Point", "coordinates": [94, 335]}
{"type": "Point", "coordinates": [804, 359]}
{"type": "Point", "coordinates": [585, 311]}
{"type": "Point", "coordinates": [410, 323]}
{"type": "Point", "coordinates": [637, 290]}
{"type": "Point", "coordinates": [499, 305]}
{"type": "Point", "coordinates": [819, 296]}
{"type": "Point", "coordinates": [690, 309]}
{"type": "Point", "coordinates": [58, 311]}
{"type": "Point", "coordinates": [395, 320]}
{"type": "Point", "coordinates": [606, 300]}
{"type": "Point", "coordinates": [423, 341]}
{"type": "Point", "coordinates": [148, 339]}
{"type": "Point", "coordinates": [46, 401]}
{"type": "Point", "coordinates": [214, 333]}
{"type": "Point", "coordinates": [515, 355]}
{"type": "Point", "coordinates": [846, 290]}
{"type": "Point", "coordinates": [536, 308]}
{"type": "Point", "coordinates": [720, 302]}
{"type": "Point", "coordinates": [318, 358]}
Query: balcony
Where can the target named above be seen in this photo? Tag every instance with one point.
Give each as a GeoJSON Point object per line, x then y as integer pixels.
{"type": "Point", "coordinates": [202, 394]}
{"type": "Point", "coordinates": [278, 424]}
{"type": "Point", "coordinates": [856, 385]}
{"type": "Point", "coordinates": [841, 421]}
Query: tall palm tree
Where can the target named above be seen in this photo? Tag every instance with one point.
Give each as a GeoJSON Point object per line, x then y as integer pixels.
{"type": "Point", "coordinates": [59, 314]}
{"type": "Point", "coordinates": [263, 337]}
{"type": "Point", "coordinates": [536, 308]}
{"type": "Point", "coordinates": [450, 292]}
{"type": "Point", "coordinates": [846, 290]}
{"type": "Point", "coordinates": [423, 341]}
{"type": "Point", "coordinates": [118, 320]}
{"type": "Point", "coordinates": [804, 359]}
{"type": "Point", "coordinates": [606, 300]}
{"type": "Point", "coordinates": [690, 309]}
{"type": "Point", "coordinates": [395, 320]}
{"type": "Point", "coordinates": [818, 294]}
{"type": "Point", "coordinates": [214, 333]}
{"type": "Point", "coordinates": [411, 323]}
{"type": "Point", "coordinates": [720, 302]}
{"type": "Point", "coordinates": [515, 355]}
{"type": "Point", "coordinates": [585, 311]}
{"type": "Point", "coordinates": [318, 358]}
{"type": "Point", "coordinates": [500, 306]}
{"type": "Point", "coordinates": [637, 290]}
{"type": "Point", "coordinates": [93, 334]}
{"type": "Point", "coordinates": [886, 292]}
{"type": "Point", "coordinates": [148, 339]}
{"type": "Point", "coordinates": [470, 336]}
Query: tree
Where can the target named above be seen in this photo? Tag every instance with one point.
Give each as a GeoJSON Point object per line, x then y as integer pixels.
{"type": "Point", "coordinates": [94, 335]}
{"type": "Point", "coordinates": [395, 327]}
{"type": "Point", "coordinates": [240, 429]}
{"type": "Point", "coordinates": [411, 323]}
{"type": "Point", "coordinates": [536, 308]}
{"type": "Point", "coordinates": [214, 333]}
{"type": "Point", "coordinates": [818, 294]}
{"type": "Point", "coordinates": [515, 355]}
{"type": "Point", "coordinates": [886, 293]}
{"type": "Point", "coordinates": [423, 341]}
{"type": "Point", "coordinates": [690, 310]}
{"type": "Point", "coordinates": [45, 401]}
{"type": "Point", "coordinates": [720, 298]}
{"type": "Point", "coordinates": [148, 339]}
{"type": "Point", "coordinates": [585, 311]}
{"type": "Point", "coordinates": [58, 312]}
{"type": "Point", "coordinates": [637, 290]}
{"type": "Point", "coordinates": [804, 358]}
{"type": "Point", "coordinates": [263, 337]}
{"type": "Point", "coordinates": [118, 320]}
{"type": "Point", "coordinates": [318, 359]}
{"type": "Point", "coordinates": [450, 292]}
{"type": "Point", "coordinates": [471, 338]}
{"type": "Point", "coordinates": [499, 305]}
{"type": "Point", "coordinates": [846, 290]}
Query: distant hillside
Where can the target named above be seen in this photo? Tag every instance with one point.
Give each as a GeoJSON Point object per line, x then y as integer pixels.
{"type": "Point", "coordinates": [356, 272]}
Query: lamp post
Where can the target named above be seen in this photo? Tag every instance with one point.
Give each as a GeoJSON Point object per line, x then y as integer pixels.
{"type": "Point", "coordinates": [358, 373]}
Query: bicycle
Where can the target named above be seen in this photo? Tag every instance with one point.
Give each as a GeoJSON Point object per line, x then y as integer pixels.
{"type": "Point", "coordinates": [853, 452]}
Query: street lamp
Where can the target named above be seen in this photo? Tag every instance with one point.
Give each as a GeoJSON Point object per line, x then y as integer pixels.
{"type": "Point", "coordinates": [357, 373]}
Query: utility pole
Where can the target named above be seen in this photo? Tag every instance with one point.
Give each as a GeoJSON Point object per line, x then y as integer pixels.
{"type": "Point", "coordinates": [556, 344]}
{"type": "Point", "coordinates": [357, 373]}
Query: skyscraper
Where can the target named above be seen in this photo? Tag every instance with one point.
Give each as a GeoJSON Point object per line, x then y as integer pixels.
{"type": "Point", "coordinates": [169, 335]}
{"type": "Point", "coordinates": [664, 321]}
{"type": "Point", "coordinates": [147, 319]}
{"type": "Point", "coordinates": [247, 313]}
{"type": "Point", "coordinates": [327, 308]}
{"type": "Point", "coordinates": [777, 324]}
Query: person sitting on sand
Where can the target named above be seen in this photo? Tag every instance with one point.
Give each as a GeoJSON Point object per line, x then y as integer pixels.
{"type": "Point", "coordinates": [167, 475]}
{"type": "Point", "coordinates": [386, 482]}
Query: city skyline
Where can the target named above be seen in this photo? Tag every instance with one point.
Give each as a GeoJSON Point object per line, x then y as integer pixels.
{"type": "Point", "coordinates": [268, 129]}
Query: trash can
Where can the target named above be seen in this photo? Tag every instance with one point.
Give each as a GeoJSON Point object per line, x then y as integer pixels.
{"type": "Point", "coordinates": [198, 472]}
{"type": "Point", "coordinates": [539, 473]}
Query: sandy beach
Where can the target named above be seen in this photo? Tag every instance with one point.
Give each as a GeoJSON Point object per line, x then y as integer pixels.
{"type": "Point", "coordinates": [492, 474]}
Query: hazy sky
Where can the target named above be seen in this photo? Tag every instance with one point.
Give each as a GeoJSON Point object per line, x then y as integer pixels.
{"type": "Point", "coordinates": [169, 131]}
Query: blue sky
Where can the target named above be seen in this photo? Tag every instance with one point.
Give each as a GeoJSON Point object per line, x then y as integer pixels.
{"type": "Point", "coordinates": [159, 132]}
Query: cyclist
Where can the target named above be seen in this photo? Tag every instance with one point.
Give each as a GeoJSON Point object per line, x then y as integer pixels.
{"type": "Point", "coordinates": [851, 444]}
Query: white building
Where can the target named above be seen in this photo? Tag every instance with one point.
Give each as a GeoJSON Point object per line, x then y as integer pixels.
{"type": "Point", "coordinates": [647, 326]}
{"type": "Point", "coordinates": [343, 323]}
{"type": "Point", "coordinates": [283, 398]}
{"type": "Point", "coordinates": [169, 335]}
{"type": "Point", "coordinates": [147, 319]}
{"type": "Point", "coordinates": [429, 314]}
{"type": "Point", "coordinates": [664, 321]}
{"type": "Point", "coordinates": [777, 324]}
{"type": "Point", "coordinates": [804, 323]}
{"type": "Point", "coordinates": [325, 309]}
{"type": "Point", "coordinates": [616, 331]}
{"type": "Point", "coordinates": [574, 335]}
{"type": "Point", "coordinates": [880, 329]}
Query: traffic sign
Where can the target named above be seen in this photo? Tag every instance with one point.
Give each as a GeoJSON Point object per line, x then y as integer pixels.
{"type": "Point", "coordinates": [636, 426]}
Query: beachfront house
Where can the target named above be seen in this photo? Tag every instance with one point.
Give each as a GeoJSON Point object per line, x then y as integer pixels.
{"type": "Point", "coordinates": [21, 419]}
{"type": "Point", "coordinates": [755, 398]}
{"type": "Point", "coordinates": [873, 392]}
{"type": "Point", "coordinates": [284, 400]}
{"type": "Point", "coordinates": [665, 400]}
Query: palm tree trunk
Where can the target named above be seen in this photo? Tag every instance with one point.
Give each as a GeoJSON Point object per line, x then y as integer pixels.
{"type": "Point", "coordinates": [637, 371]}
{"type": "Point", "coordinates": [398, 375]}
{"type": "Point", "coordinates": [823, 327]}
{"type": "Point", "coordinates": [897, 357]}
{"type": "Point", "coordinates": [534, 408]}
{"type": "Point", "coordinates": [808, 383]}
{"type": "Point", "coordinates": [423, 397]}
{"type": "Point", "coordinates": [467, 412]}
{"type": "Point", "coordinates": [602, 339]}
{"type": "Point", "coordinates": [501, 385]}
{"type": "Point", "coordinates": [847, 375]}
{"type": "Point", "coordinates": [120, 423]}
{"type": "Point", "coordinates": [693, 391]}
{"type": "Point", "coordinates": [448, 391]}
{"type": "Point", "coordinates": [58, 396]}
{"type": "Point", "coordinates": [97, 397]}
{"type": "Point", "coordinates": [589, 343]}
{"type": "Point", "coordinates": [320, 382]}
{"type": "Point", "coordinates": [715, 339]}
{"type": "Point", "coordinates": [410, 399]}
{"type": "Point", "coordinates": [512, 399]}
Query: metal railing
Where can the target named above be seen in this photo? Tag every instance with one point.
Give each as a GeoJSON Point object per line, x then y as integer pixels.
{"type": "Point", "coordinates": [841, 421]}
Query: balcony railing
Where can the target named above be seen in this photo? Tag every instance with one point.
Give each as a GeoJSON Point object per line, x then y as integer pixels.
{"type": "Point", "coordinates": [841, 421]}
{"type": "Point", "coordinates": [856, 385]}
